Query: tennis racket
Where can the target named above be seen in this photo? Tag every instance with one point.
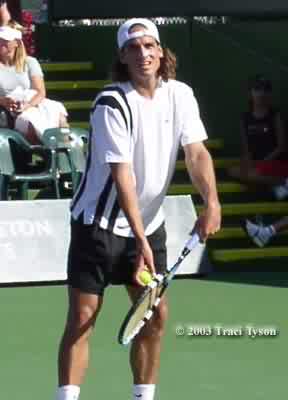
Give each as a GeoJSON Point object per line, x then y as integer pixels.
{"type": "Point", "coordinates": [142, 310]}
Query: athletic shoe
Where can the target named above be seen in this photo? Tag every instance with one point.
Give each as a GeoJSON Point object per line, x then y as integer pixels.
{"type": "Point", "coordinates": [281, 191]}
{"type": "Point", "coordinates": [260, 235]}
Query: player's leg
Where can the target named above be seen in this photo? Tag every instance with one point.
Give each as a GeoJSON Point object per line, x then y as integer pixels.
{"type": "Point", "coordinates": [87, 279]}
{"type": "Point", "coordinates": [74, 350]}
{"type": "Point", "coordinates": [146, 347]}
{"type": "Point", "coordinates": [145, 351]}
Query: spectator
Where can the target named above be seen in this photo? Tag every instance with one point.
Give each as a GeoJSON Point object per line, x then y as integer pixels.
{"type": "Point", "coordinates": [264, 153]}
{"type": "Point", "coordinates": [10, 9]}
{"type": "Point", "coordinates": [261, 234]}
{"type": "Point", "coordinates": [5, 15]}
{"type": "Point", "coordinates": [22, 89]}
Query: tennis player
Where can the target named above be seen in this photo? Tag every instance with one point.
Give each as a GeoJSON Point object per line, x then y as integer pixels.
{"type": "Point", "coordinates": [137, 125]}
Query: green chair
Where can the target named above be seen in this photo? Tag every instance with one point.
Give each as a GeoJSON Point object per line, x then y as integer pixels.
{"type": "Point", "coordinates": [80, 133]}
{"type": "Point", "coordinates": [9, 171]}
{"type": "Point", "coordinates": [79, 145]}
{"type": "Point", "coordinates": [69, 145]}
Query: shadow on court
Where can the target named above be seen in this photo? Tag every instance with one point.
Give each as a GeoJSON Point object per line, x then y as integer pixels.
{"type": "Point", "coordinates": [269, 272]}
{"type": "Point", "coordinates": [264, 278]}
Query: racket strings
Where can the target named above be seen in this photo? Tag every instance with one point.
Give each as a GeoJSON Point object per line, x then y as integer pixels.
{"type": "Point", "coordinates": [143, 309]}
{"type": "Point", "coordinates": [141, 314]}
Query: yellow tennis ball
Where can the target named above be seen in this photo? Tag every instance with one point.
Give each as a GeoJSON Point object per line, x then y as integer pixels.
{"type": "Point", "coordinates": [145, 277]}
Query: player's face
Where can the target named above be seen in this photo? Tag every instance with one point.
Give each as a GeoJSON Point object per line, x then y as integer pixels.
{"type": "Point", "coordinates": [142, 57]}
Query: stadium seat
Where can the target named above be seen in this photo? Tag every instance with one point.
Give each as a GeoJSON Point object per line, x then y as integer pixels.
{"type": "Point", "coordinates": [69, 145]}
{"type": "Point", "coordinates": [10, 172]}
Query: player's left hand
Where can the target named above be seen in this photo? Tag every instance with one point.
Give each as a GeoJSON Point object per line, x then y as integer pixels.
{"type": "Point", "coordinates": [144, 260]}
{"type": "Point", "coordinates": [209, 222]}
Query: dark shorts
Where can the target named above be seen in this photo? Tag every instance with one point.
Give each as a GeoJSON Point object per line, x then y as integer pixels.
{"type": "Point", "coordinates": [98, 257]}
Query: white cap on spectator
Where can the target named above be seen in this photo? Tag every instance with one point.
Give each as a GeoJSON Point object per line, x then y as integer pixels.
{"type": "Point", "coordinates": [123, 34]}
{"type": "Point", "coordinates": [8, 33]}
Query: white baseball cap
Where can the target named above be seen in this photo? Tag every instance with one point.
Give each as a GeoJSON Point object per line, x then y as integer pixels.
{"type": "Point", "coordinates": [8, 33]}
{"type": "Point", "coordinates": [123, 34]}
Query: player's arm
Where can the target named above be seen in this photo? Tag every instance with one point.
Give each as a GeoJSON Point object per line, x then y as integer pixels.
{"type": "Point", "coordinates": [199, 164]}
{"type": "Point", "coordinates": [112, 143]}
{"type": "Point", "coordinates": [200, 167]}
{"type": "Point", "coordinates": [128, 201]}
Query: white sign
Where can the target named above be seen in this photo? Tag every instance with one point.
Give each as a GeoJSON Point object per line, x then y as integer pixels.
{"type": "Point", "coordinates": [34, 238]}
{"type": "Point", "coordinates": [180, 218]}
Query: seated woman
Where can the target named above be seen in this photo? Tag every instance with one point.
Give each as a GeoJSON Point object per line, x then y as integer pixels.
{"type": "Point", "coordinates": [264, 152]}
{"type": "Point", "coordinates": [22, 89]}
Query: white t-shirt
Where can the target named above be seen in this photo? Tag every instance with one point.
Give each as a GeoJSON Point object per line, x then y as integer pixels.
{"type": "Point", "coordinates": [127, 127]}
{"type": "Point", "coordinates": [10, 79]}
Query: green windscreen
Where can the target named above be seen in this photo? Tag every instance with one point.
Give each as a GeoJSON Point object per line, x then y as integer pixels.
{"type": "Point", "coordinates": [115, 8]}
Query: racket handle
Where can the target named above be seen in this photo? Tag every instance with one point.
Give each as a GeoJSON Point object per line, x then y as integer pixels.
{"type": "Point", "coordinates": [193, 241]}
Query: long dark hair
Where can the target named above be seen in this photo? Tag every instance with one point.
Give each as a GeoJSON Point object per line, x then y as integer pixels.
{"type": "Point", "coordinates": [167, 70]}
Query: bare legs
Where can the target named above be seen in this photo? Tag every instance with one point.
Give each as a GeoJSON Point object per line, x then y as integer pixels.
{"type": "Point", "coordinates": [146, 347]}
{"type": "Point", "coordinates": [74, 347]}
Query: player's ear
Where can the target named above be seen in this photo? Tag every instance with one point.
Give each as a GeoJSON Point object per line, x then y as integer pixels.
{"type": "Point", "coordinates": [161, 51]}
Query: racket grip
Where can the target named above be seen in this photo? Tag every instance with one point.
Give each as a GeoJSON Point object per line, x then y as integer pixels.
{"type": "Point", "coordinates": [193, 241]}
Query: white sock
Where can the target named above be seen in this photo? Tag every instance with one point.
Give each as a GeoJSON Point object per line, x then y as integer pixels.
{"type": "Point", "coordinates": [68, 392]}
{"type": "Point", "coordinates": [143, 392]}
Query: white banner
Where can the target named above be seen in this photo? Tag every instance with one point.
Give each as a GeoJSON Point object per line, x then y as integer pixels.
{"type": "Point", "coordinates": [180, 216]}
{"type": "Point", "coordinates": [34, 238]}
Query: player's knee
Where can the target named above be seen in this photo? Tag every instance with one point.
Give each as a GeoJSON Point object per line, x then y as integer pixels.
{"type": "Point", "coordinates": [81, 321]}
{"type": "Point", "coordinates": [85, 316]}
